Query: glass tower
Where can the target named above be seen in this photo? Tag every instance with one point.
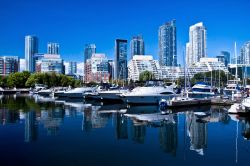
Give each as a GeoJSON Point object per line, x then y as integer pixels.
{"type": "Point", "coordinates": [137, 46]}
{"type": "Point", "coordinates": [167, 44]}
{"type": "Point", "coordinates": [53, 48]}
{"type": "Point", "coordinates": [121, 70]}
{"type": "Point", "coordinates": [31, 48]}
{"type": "Point", "coordinates": [88, 51]}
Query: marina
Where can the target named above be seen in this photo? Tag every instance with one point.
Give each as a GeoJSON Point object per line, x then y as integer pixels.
{"type": "Point", "coordinates": [84, 131]}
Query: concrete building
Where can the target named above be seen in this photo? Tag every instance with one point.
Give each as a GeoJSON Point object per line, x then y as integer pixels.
{"type": "Point", "coordinates": [196, 48]}
{"type": "Point", "coordinates": [167, 44]}
{"type": "Point", "coordinates": [120, 68]}
{"type": "Point", "coordinates": [31, 48]}
{"type": "Point", "coordinates": [141, 63]}
{"type": "Point", "coordinates": [8, 65]}
{"type": "Point", "coordinates": [53, 48]}
{"type": "Point", "coordinates": [97, 69]}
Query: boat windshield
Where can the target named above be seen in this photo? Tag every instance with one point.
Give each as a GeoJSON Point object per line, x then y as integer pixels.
{"type": "Point", "coordinates": [200, 90]}
{"type": "Point", "coordinates": [154, 83]}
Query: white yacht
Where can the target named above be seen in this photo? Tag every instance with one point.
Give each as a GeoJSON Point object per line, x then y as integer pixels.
{"type": "Point", "coordinates": [246, 104]}
{"type": "Point", "coordinates": [152, 93]}
{"type": "Point", "coordinates": [78, 92]}
{"type": "Point", "coordinates": [45, 92]}
{"type": "Point", "coordinates": [112, 94]}
{"type": "Point", "coordinates": [201, 90]}
{"type": "Point", "coordinates": [232, 87]}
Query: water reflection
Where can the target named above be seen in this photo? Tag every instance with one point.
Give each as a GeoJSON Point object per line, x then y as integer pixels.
{"type": "Point", "coordinates": [129, 123]}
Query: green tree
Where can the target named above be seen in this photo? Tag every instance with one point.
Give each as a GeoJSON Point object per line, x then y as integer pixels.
{"type": "Point", "coordinates": [146, 75]}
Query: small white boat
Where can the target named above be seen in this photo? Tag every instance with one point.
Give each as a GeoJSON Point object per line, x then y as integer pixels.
{"type": "Point", "coordinates": [246, 103]}
{"type": "Point", "coordinates": [238, 108]}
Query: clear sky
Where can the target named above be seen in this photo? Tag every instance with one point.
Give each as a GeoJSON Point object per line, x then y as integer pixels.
{"type": "Point", "coordinates": [73, 23]}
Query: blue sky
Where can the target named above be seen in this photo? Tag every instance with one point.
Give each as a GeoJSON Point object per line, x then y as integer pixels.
{"type": "Point", "coordinates": [73, 23]}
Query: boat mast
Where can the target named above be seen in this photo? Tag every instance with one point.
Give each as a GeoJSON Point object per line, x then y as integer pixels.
{"type": "Point", "coordinates": [236, 61]}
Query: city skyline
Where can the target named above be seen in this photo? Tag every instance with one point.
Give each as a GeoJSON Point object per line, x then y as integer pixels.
{"type": "Point", "coordinates": [73, 27]}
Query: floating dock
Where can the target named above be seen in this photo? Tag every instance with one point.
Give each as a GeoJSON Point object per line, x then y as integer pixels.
{"type": "Point", "coordinates": [188, 102]}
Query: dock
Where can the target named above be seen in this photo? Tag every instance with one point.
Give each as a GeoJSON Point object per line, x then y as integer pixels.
{"type": "Point", "coordinates": [13, 91]}
{"type": "Point", "coordinates": [188, 102]}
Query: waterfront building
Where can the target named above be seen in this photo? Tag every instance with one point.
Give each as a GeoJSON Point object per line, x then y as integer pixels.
{"type": "Point", "coordinates": [72, 68]}
{"type": "Point", "coordinates": [52, 48]}
{"type": "Point", "coordinates": [50, 63]}
{"type": "Point", "coordinates": [22, 65]}
{"type": "Point", "coordinates": [137, 46]}
{"type": "Point", "coordinates": [224, 57]}
{"type": "Point", "coordinates": [97, 69]}
{"type": "Point", "coordinates": [197, 45]}
{"type": "Point", "coordinates": [31, 48]}
{"type": "Point", "coordinates": [167, 44]}
{"type": "Point", "coordinates": [244, 57]}
{"type": "Point", "coordinates": [141, 63]}
{"type": "Point", "coordinates": [8, 65]}
{"type": "Point", "coordinates": [120, 68]}
{"type": "Point", "coordinates": [88, 51]}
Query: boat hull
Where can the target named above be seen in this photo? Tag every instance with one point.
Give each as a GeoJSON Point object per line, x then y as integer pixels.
{"type": "Point", "coordinates": [146, 100]}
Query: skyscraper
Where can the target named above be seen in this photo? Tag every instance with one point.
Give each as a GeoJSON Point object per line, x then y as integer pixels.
{"type": "Point", "coordinates": [72, 69]}
{"type": "Point", "coordinates": [137, 46]}
{"type": "Point", "coordinates": [196, 48]}
{"type": "Point", "coordinates": [121, 70]}
{"type": "Point", "coordinates": [53, 48]}
{"type": "Point", "coordinates": [31, 47]}
{"type": "Point", "coordinates": [88, 51]}
{"type": "Point", "coordinates": [167, 44]}
{"type": "Point", "coordinates": [245, 54]}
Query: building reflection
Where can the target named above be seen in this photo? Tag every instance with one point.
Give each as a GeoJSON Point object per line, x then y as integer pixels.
{"type": "Point", "coordinates": [197, 132]}
{"type": "Point", "coordinates": [121, 126]}
{"type": "Point", "coordinates": [245, 128]}
{"type": "Point", "coordinates": [52, 120]}
{"type": "Point", "coordinates": [168, 136]}
{"type": "Point", "coordinates": [31, 127]}
{"type": "Point", "coordinates": [7, 116]}
{"type": "Point", "coordinates": [138, 132]}
{"type": "Point", "coordinates": [92, 119]}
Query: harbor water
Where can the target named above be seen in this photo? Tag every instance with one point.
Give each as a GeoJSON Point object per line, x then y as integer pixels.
{"type": "Point", "coordinates": [36, 130]}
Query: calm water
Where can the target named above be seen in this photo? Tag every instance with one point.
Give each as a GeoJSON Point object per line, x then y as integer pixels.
{"type": "Point", "coordinates": [40, 131]}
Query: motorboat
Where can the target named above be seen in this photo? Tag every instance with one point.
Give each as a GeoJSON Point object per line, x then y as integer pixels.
{"type": "Point", "coordinates": [45, 92]}
{"type": "Point", "coordinates": [152, 93]}
{"type": "Point", "coordinates": [78, 92]}
{"type": "Point", "coordinates": [246, 103]}
{"type": "Point", "coordinates": [238, 108]}
{"type": "Point", "coordinates": [232, 86]}
{"type": "Point", "coordinates": [113, 94]}
{"type": "Point", "coordinates": [37, 88]}
{"type": "Point", "coordinates": [201, 90]}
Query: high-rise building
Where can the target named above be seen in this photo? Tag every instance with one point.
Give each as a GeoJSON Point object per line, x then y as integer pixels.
{"type": "Point", "coordinates": [52, 48]}
{"type": "Point", "coordinates": [167, 44]}
{"type": "Point", "coordinates": [72, 69]}
{"type": "Point", "coordinates": [31, 47]}
{"type": "Point", "coordinates": [120, 69]}
{"type": "Point", "coordinates": [197, 45]}
{"type": "Point", "coordinates": [245, 54]}
{"type": "Point", "coordinates": [97, 69]}
{"type": "Point", "coordinates": [88, 51]}
{"type": "Point", "coordinates": [8, 65]}
{"type": "Point", "coordinates": [137, 46]}
{"type": "Point", "coordinates": [224, 57]}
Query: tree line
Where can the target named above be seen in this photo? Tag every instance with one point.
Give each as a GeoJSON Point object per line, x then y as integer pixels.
{"type": "Point", "coordinates": [26, 80]}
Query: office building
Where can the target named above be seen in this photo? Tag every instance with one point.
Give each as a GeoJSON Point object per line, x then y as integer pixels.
{"type": "Point", "coordinates": [31, 47]}
{"type": "Point", "coordinates": [97, 69]}
{"type": "Point", "coordinates": [167, 44]}
{"type": "Point", "coordinates": [137, 46]}
{"type": "Point", "coordinates": [8, 65]}
{"type": "Point", "coordinates": [53, 48]}
{"type": "Point", "coordinates": [224, 57]}
{"type": "Point", "coordinates": [244, 57]}
{"type": "Point", "coordinates": [72, 68]}
{"type": "Point", "coordinates": [50, 63]}
{"type": "Point", "coordinates": [197, 45]}
{"type": "Point", "coordinates": [120, 68]}
{"type": "Point", "coordinates": [88, 51]}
